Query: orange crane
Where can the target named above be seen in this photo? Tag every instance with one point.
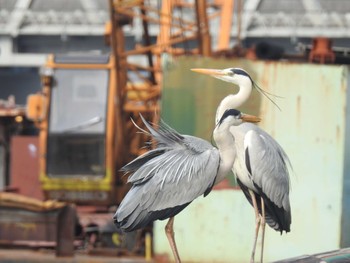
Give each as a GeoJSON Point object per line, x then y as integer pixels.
{"type": "Point", "coordinates": [85, 108]}
{"type": "Point", "coordinates": [84, 111]}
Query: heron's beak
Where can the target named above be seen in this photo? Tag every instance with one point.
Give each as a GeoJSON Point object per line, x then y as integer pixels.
{"type": "Point", "coordinates": [250, 118]}
{"type": "Point", "coordinates": [208, 71]}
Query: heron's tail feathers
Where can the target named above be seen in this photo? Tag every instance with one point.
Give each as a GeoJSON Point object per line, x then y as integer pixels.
{"type": "Point", "coordinates": [165, 137]}
{"type": "Point", "coordinates": [278, 218]}
{"type": "Point", "coordinates": [280, 223]}
{"type": "Point", "coordinates": [132, 214]}
{"type": "Point", "coordinates": [141, 219]}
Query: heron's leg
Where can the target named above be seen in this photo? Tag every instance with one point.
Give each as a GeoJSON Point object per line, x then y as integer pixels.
{"type": "Point", "coordinates": [263, 223]}
{"type": "Point", "coordinates": [169, 231]}
{"type": "Point", "coordinates": [257, 224]}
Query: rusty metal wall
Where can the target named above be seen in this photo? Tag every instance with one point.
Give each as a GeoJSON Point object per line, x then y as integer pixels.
{"type": "Point", "coordinates": [345, 219]}
{"type": "Point", "coordinates": [311, 127]}
{"type": "Point", "coordinates": [18, 225]}
{"type": "Point", "coordinates": [25, 166]}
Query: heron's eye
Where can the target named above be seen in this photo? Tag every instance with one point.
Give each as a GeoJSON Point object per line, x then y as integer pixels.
{"type": "Point", "coordinates": [230, 73]}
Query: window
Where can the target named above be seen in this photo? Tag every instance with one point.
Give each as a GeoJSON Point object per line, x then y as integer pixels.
{"type": "Point", "coordinates": [77, 123]}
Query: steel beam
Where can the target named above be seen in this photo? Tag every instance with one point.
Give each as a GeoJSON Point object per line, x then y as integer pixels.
{"type": "Point", "coordinates": [17, 16]}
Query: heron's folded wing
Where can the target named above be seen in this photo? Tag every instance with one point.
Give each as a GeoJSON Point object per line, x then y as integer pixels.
{"type": "Point", "coordinates": [167, 140]}
{"type": "Point", "coordinates": [170, 182]}
{"type": "Point", "coordinates": [268, 166]}
{"type": "Point", "coordinates": [179, 177]}
{"type": "Point", "coordinates": [166, 179]}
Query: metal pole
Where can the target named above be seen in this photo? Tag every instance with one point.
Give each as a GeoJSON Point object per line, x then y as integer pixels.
{"type": "Point", "coordinates": [203, 28]}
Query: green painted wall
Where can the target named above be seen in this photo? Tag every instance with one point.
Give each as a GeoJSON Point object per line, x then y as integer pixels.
{"type": "Point", "coordinates": [311, 128]}
{"type": "Point", "coordinates": [189, 100]}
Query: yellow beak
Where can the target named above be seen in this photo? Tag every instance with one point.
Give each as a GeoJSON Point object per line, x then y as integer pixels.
{"type": "Point", "coordinates": [208, 71]}
{"type": "Point", "coordinates": [250, 118]}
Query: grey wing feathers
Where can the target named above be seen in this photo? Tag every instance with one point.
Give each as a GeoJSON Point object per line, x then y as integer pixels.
{"type": "Point", "coordinates": [166, 179]}
{"type": "Point", "coordinates": [139, 161]}
{"type": "Point", "coordinates": [165, 137]}
{"type": "Point", "coordinates": [268, 166]}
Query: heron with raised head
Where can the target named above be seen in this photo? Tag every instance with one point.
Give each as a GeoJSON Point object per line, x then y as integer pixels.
{"type": "Point", "coordinates": [181, 168]}
{"type": "Point", "coordinates": [240, 78]}
{"type": "Point", "coordinates": [260, 164]}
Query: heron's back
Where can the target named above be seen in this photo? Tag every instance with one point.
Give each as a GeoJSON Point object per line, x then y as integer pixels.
{"type": "Point", "coordinates": [167, 179]}
{"type": "Point", "coordinates": [262, 166]}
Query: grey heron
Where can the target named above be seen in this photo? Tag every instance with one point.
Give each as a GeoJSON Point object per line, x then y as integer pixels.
{"type": "Point", "coordinates": [240, 78]}
{"type": "Point", "coordinates": [260, 164]}
{"type": "Point", "coordinates": [181, 168]}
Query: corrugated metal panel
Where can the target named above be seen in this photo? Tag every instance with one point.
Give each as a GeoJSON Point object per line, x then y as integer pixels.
{"type": "Point", "coordinates": [7, 4]}
{"type": "Point", "coordinates": [273, 6]}
{"type": "Point", "coordinates": [335, 6]}
{"type": "Point", "coordinates": [310, 127]}
{"type": "Point", "coordinates": [62, 5]}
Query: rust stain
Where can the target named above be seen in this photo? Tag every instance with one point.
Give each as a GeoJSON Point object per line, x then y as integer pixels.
{"type": "Point", "coordinates": [18, 228]}
{"type": "Point", "coordinates": [27, 226]}
{"type": "Point", "coordinates": [338, 133]}
{"type": "Point", "coordinates": [325, 86]}
{"type": "Point", "coordinates": [265, 77]}
{"type": "Point", "coordinates": [343, 81]}
{"type": "Point", "coordinates": [298, 111]}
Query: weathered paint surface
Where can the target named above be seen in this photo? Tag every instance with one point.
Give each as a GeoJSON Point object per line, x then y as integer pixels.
{"type": "Point", "coordinates": [311, 128]}
{"type": "Point", "coordinates": [345, 234]}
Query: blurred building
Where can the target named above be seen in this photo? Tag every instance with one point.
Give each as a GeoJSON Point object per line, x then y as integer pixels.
{"type": "Point", "coordinates": [31, 29]}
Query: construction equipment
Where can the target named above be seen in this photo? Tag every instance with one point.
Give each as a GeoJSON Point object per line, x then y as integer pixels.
{"type": "Point", "coordinates": [84, 112]}
{"type": "Point", "coordinates": [30, 222]}
{"type": "Point", "coordinates": [77, 117]}
{"type": "Point", "coordinates": [87, 106]}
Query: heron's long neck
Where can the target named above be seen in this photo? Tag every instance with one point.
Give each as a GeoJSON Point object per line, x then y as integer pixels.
{"type": "Point", "coordinates": [225, 143]}
{"type": "Point", "coordinates": [233, 101]}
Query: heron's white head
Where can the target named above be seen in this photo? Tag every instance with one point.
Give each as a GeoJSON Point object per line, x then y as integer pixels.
{"type": "Point", "coordinates": [235, 117]}
{"type": "Point", "coordinates": [236, 76]}
{"type": "Point", "coordinates": [229, 118]}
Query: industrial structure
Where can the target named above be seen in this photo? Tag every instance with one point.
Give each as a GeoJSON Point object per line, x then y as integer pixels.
{"type": "Point", "coordinates": [74, 72]}
{"type": "Point", "coordinates": [87, 107]}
